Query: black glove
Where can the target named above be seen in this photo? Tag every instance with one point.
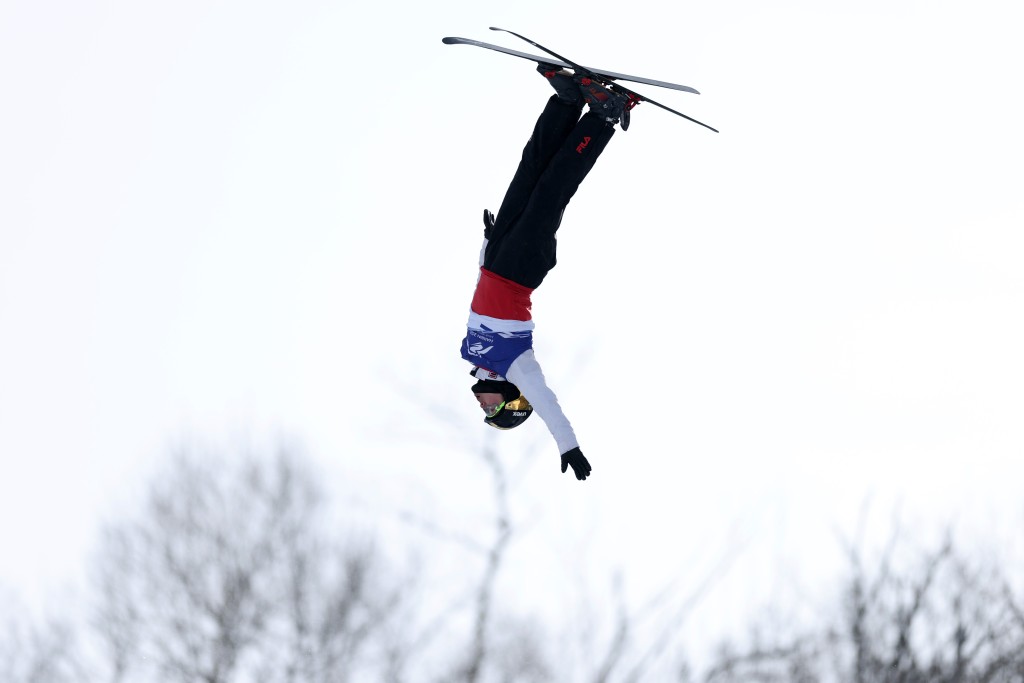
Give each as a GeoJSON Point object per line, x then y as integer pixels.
{"type": "Point", "coordinates": [488, 223]}
{"type": "Point", "coordinates": [580, 466]}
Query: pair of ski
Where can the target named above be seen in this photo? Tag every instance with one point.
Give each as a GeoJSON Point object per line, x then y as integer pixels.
{"type": "Point", "coordinates": [602, 76]}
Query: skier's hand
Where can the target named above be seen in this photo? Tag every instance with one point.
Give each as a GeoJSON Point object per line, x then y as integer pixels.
{"type": "Point", "coordinates": [580, 466]}
{"type": "Point", "coordinates": [488, 223]}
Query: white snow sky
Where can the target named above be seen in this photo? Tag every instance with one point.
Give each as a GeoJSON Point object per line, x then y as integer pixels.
{"type": "Point", "coordinates": [225, 220]}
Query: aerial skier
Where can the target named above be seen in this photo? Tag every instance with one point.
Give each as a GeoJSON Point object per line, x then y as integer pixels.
{"type": "Point", "coordinates": [519, 251]}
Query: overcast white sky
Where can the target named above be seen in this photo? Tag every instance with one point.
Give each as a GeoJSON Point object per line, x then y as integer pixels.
{"type": "Point", "coordinates": [252, 218]}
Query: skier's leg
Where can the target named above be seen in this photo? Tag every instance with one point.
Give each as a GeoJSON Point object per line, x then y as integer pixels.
{"type": "Point", "coordinates": [528, 250]}
{"type": "Point", "coordinates": [553, 125]}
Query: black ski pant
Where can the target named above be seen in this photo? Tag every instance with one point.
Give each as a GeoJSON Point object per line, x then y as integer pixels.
{"type": "Point", "coordinates": [556, 159]}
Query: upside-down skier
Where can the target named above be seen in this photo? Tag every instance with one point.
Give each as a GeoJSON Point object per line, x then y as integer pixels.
{"type": "Point", "coordinates": [519, 251]}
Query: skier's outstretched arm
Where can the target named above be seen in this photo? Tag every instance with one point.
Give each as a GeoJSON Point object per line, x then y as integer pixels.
{"type": "Point", "coordinates": [525, 372]}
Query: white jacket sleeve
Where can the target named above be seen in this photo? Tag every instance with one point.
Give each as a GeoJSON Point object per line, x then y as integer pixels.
{"type": "Point", "coordinates": [526, 374]}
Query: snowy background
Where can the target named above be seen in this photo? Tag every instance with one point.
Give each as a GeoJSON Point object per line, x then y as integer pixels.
{"type": "Point", "coordinates": [233, 221]}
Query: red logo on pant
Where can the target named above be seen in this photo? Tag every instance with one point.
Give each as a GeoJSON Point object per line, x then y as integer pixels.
{"type": "Point", "coordinates": [583, 145]}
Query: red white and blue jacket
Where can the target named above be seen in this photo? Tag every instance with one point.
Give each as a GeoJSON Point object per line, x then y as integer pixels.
{"type": "Point", "coordinates": [499, 339]}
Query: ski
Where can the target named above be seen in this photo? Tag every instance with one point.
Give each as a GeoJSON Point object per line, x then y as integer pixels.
{"type": "Point", "coordinates": [557, 62]}
{"type": "Point", "coordinates": [604, 79]}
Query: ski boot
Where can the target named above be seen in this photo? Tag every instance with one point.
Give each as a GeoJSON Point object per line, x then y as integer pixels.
{"type": "Point", "coordinates": [613, 106]}
{"type": "Point", "coordinates": [562, 81]}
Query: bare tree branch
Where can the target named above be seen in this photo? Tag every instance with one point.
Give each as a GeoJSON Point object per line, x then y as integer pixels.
{"type": "Point", "coordinates": [485, 593]}
{"type": "Point", "coordinates": [229, 573]}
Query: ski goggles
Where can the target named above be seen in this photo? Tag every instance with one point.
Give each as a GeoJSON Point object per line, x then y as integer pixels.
{"type": "Point", "coordinates": [491, 411]}
{"type": "Point", "coordinates": [511, 414]}
{"type": "Point", "coordinates": [518, 404]}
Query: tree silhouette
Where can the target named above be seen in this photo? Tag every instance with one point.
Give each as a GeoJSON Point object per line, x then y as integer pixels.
{"type": "Point", "coordinates": [940, 618]}
{"type": "Point", "coordinates": [228, 576]}
{"type": "Point", "coordinates": [234, 572]}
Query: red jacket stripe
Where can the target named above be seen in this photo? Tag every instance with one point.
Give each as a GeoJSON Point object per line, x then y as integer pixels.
{"type": "Point", "coordinates": [498, 297]}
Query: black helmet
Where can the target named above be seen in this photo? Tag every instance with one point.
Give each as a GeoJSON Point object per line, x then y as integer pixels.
{"type": "Point", "coordinates": [513, 411]}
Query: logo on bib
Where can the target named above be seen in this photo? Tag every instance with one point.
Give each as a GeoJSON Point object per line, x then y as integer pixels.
{"type": "Point", "coordinates": [478, 349]}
